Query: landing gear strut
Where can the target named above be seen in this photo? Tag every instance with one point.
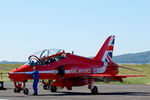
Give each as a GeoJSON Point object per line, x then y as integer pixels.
{"type": "Point", "coordinates": [20, 86]}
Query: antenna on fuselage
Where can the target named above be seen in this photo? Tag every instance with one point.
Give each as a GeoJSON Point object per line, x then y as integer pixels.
{"type": "Point", "coordinates": [72, 52]}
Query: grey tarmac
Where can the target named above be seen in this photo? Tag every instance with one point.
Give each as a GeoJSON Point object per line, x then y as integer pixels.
{"type": "Point", "coordinates": [106, 92]}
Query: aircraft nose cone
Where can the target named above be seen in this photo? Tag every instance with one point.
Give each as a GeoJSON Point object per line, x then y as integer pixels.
{"type": "Point", "coordinates": [18, 74]}
{"type": "Point", "coordinates": [9, 75]}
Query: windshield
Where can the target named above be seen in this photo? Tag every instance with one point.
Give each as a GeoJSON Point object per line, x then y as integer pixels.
{"type": "Point", "coordinates": [47, 52]}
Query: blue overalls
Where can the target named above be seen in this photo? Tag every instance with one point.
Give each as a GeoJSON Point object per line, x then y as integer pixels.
{"type": "Point", "coordinates": [35, 75]}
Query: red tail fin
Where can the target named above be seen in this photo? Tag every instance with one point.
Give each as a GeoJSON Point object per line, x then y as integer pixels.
{"type": "Point", "coordinates": [106, 51]}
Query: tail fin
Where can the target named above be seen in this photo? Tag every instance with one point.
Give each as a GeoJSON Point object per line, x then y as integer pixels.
{"type": "Point", "coordinates": [106, 52]}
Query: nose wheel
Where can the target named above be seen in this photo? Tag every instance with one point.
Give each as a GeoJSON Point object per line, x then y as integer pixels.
{"type": "Point", "coordinates": [26, 91]}
{"type": "Point", "coordinates": [17, 90]}
{"type": "Point", "coordinates": [20, 86]}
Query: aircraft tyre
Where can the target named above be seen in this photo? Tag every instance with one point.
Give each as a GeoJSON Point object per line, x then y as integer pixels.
{"type": "Point", "coordinates": [53, 88]}
{"type": "Point", "coordinates": [17, 90]}
{"type": "Point", "coordinates": [26, 91]}
{"type": "Point", "coordinates": [94, 90]}
{"type": "Point", "coordinates": [46, 87]}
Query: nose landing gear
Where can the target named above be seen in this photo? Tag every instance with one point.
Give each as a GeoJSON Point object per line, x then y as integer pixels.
{"type": "Point", "coordinates": [20, 86]}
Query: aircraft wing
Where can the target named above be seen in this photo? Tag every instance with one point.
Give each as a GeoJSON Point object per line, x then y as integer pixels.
{"type": "Point", "coordinates": [109, 78]}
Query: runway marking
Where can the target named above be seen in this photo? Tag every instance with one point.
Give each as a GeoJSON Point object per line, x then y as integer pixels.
{"type": "Point", "coordinates": [3, 99]}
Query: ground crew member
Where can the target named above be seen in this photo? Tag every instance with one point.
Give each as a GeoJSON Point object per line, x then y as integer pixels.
{"type": "Point", "coordinates": [35, 75]}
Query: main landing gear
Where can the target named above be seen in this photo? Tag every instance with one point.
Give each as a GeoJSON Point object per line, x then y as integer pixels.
{"type": "Point", "coordinates": [48, 86]}
{"type": "Point", "coordinates": [94, 89]}
{"type": "Point", "coordinates": [53, 89]}
{"type": "Point", "coordinates": [20, 86]}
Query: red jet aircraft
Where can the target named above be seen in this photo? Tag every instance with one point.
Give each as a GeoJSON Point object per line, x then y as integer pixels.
{"type": "Point", "coordinates": [60, 69]}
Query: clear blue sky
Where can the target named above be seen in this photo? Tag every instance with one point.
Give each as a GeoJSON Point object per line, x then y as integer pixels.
{"type": "Point", "coordinates": [82, 26]}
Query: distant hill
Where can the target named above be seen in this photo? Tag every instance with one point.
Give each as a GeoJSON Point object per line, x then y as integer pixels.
{"type": "Point", "coordinates": [142, 58]}
{"type": "Point", "coordinates": [11, 62]}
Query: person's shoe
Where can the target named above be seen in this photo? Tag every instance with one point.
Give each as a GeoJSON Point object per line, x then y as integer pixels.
{"type": "Point", "coordinates": [34, 94]}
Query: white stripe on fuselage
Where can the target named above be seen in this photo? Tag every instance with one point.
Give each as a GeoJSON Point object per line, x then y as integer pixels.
{"type": "Point", "coordinates": [41, 72]}
{"type": "Point", "coordinates": [72, 71]}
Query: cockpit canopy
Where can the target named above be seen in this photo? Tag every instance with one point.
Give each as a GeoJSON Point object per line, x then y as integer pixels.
{"type": "Point", "coordinates": [46, 56]}
{"type": "Point", "coordinates": [47, 52]}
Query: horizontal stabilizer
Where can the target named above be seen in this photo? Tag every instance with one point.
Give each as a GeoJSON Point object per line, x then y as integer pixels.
{"type": "Point", "coordinates": [130, 68]}
{"type": "Point", "coordinates": [121, 76]}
